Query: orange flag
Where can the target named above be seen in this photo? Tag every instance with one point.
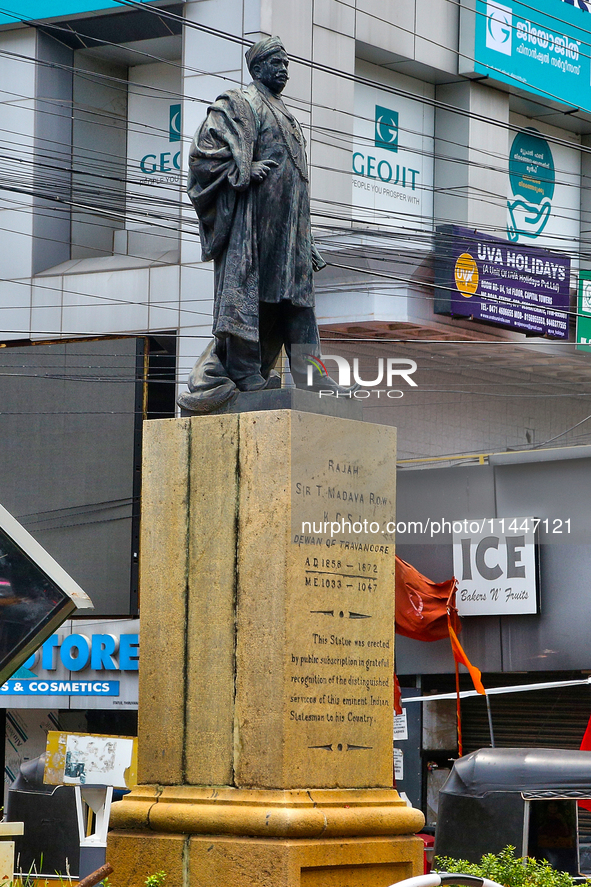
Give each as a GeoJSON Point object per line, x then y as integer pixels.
{"type": "Point", "coordinates": [460, 656]}
{"type": "Point", "coordinates": [475, 674]}
{"type": "Point", "coordinates": [426, 611]}
{"type": "Point", "coordinates": [421, 605]}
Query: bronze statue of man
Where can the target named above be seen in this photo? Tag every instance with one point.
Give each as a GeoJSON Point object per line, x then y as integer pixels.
{"type": "Point", "coordinates": [248, 181]}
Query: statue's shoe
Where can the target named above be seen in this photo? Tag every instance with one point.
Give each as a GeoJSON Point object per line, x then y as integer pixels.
{"type": "Point", "coordinates": [256, 382]}
{"type": "Point", "coordinates": [208, 400]}
{"type": "Point", "coordinates": [219, 393]}
{"type": "Point", "coordinates": [273, 382]}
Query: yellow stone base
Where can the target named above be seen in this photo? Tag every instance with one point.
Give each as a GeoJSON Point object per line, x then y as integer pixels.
{"type": "Point", "coordinates": [211, 837]}
{"type": "Point", "coordinates": [294, 813]}
{"type": "Point", "coordinates": [205, 861]}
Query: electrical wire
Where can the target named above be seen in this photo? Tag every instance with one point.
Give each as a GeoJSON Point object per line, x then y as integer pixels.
{"type": "Point", "coordinates": [312, 64]}
{"type": "Point", "coordinates": [161, 217]}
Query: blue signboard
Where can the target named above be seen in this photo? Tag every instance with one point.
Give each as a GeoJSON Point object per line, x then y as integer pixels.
{"type": "Point", "coordinates": [542, 48]}
{"type": "Point", "coordinates": [60, 688]}
{"type": "Point", "coordinates": [523, 288]}
{"type": "Point", "coordinates": [40, 10]}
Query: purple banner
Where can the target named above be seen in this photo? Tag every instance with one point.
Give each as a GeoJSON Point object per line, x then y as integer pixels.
{"type": "Point", "coordinates": [519, 287]}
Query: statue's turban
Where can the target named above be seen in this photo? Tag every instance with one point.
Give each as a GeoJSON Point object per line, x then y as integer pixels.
{"type": "Point", "coordinates": [262, 50]}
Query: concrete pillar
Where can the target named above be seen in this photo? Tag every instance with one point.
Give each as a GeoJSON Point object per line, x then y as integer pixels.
{"type": "Point", "coordinates": [471, 157]}
{"type": "Point", "coordinates": [266, 697]}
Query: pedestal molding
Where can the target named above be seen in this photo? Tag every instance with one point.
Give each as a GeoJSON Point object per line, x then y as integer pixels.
{"type": "Point", "coordinates": [298, 813]}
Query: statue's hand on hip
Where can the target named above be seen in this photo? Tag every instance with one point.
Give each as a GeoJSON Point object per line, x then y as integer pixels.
{"type": "Point", "coordinates": [260, 169]}
{"type": "Point", "coordinates": [318, 262]}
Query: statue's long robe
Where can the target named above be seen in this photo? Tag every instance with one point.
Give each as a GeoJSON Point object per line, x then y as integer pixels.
{"type": "Point", "coordinates": [258, 233]}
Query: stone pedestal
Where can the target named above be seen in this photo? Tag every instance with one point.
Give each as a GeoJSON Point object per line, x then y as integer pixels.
{"type": "Point", "coordinates": [267, 639]}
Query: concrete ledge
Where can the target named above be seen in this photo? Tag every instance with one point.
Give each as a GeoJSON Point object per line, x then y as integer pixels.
{"type": "Point", "coordinates": [290, 399]}
{"type": "Point", "coordinates": [262, 862]}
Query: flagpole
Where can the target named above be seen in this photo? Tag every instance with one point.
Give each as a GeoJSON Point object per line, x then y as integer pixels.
{"type": "Point", "coordinates": [459, 712]}
{"type": "Point", "coordinates": [490, 726]}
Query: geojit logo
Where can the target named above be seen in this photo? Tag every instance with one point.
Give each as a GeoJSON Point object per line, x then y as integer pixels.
{"type": "Point", "coordinates": [386, 129]}
{"type": "Point", "coordinates": [174, 123]}
{"type": "Point", "coordinates": [387, 371]}
{"type": "Point", "coordinates": [499, 27]}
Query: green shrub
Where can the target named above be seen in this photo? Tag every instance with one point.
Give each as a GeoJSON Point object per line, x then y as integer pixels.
{"type": "Point", "coordinates": [508, 869]}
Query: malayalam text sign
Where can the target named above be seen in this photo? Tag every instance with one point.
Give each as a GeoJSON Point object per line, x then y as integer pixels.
{"type": "Point", "coordinates": [542, 48]}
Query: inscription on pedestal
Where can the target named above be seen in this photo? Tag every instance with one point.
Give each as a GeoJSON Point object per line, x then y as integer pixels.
{"type": "Point", "coordinates": [340, 651]}
{"type": "Point", "coordinates": [348, 668]}
{"type": "Point", "coordinates": [282, 637]}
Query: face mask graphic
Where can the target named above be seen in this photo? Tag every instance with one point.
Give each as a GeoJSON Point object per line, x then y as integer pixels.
{"type": "Point", "coordinates": [525, 219]}
{"type": "Point", "coordinates": [532, 179]}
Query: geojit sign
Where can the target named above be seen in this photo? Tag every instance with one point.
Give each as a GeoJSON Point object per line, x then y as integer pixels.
{"type": "Point", "coordinates": [522, 288]}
